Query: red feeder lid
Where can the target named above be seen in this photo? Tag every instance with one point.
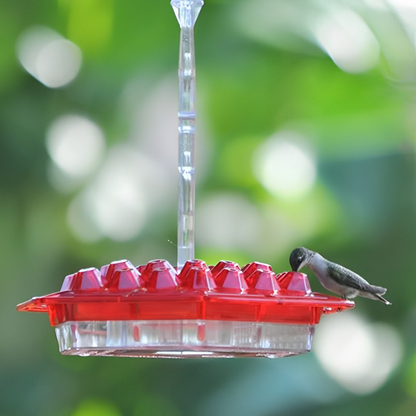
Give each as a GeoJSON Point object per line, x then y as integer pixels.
{"type": "Point", "coordinates": [156, 291]}
{"type": "Point", "coordinates": [154, 311]}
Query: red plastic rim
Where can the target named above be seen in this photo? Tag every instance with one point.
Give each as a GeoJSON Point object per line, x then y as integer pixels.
{"type": "Point", "coordinates": [156, 291]}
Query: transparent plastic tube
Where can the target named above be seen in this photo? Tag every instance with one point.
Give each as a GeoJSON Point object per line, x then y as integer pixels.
{"type": "Point", "coordinates": [186, 12]}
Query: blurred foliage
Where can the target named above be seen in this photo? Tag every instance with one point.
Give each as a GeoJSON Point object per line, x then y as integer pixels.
{"type": "Point", "coordinates": [254, 80]}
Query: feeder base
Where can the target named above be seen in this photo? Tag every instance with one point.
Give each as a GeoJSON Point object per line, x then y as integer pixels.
{"type": "Point", "coordinates": [183, 339]}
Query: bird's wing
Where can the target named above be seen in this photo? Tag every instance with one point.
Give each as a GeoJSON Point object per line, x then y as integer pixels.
{"type": "Point", "coordinates": [339, 274]}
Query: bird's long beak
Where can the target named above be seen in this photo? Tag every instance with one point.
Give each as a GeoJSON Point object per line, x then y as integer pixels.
{"type": "Point", "coordinates": [294, 267]}
{"type": "Point", "coordinates": [299, 267]}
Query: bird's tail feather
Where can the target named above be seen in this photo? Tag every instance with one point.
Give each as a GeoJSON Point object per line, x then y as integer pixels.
{"type": "Point", "coordinates": [379, 297]}
{"type": "Point", "coordinates": [377, 290]}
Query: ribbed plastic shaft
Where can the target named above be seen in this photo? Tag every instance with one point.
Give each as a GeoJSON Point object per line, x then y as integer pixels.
{"type": "Point", "coordinates": [186, 12]}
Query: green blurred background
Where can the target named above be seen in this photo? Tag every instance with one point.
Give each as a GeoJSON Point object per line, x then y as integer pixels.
{"type": "Point", "coordinates": [306, 136]}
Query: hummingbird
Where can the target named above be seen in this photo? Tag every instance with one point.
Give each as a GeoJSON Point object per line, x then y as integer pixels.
{"type": "Point", "coordinates": [334, 277]}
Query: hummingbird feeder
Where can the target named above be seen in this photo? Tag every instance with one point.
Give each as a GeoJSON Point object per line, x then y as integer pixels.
{"type": "Point", "coordinates": [191, 310]}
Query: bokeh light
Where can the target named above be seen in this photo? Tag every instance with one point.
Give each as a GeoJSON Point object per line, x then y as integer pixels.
{"type": "Point", "coordinates": [227, 221]}
{"type": "Point", "coordinates": [285, 166]}
{"type": "Point", "coordinates": [359, 355]}
{"type": "Point", "coordinates": [117, 202]}
{"type": "Point", "coordinates": [47, 56]}
{"type": "Point", "coordinates": [76, 145]}
{"type": "Point", "coordinates": [403, 5]}
{"type": "Point", "coordinates": [348, 40]}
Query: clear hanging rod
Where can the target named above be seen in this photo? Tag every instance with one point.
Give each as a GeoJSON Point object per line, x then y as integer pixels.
{"type": "Point", "coordinates": [186, 12]}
